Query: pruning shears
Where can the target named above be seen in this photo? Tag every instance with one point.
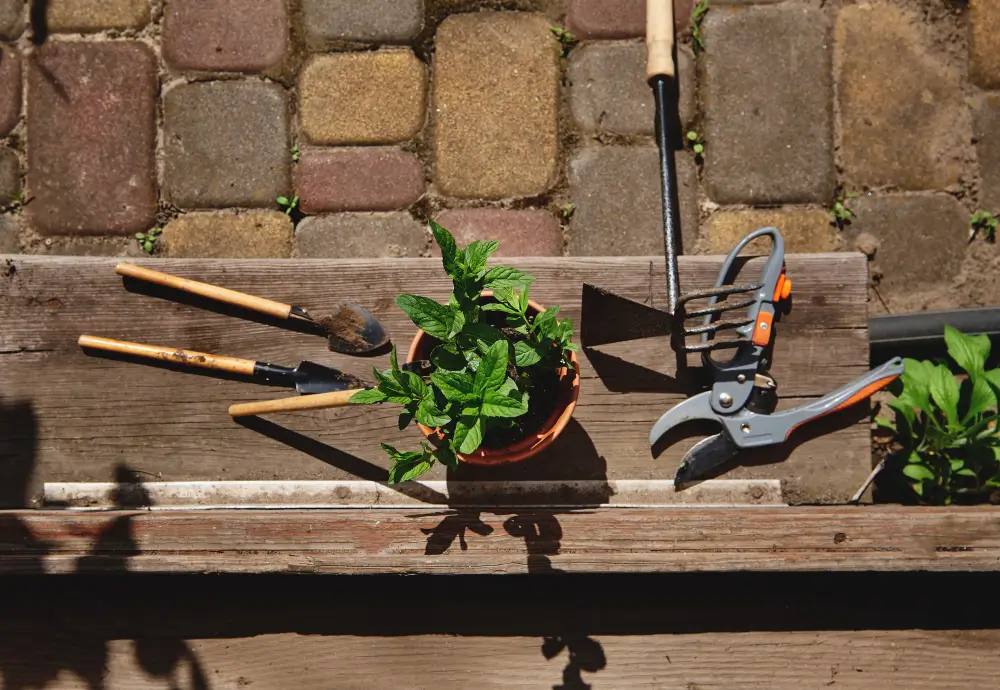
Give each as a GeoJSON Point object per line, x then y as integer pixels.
{"type": "Point", "coordinates": [742, 398]}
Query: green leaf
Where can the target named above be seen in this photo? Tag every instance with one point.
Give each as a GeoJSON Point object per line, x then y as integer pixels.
{"type": "Point", "coordinates": [449, 252]}
{"type": "Point", "coordinates": [886, 423]}
{"type": "Point", "coordinates": [504, 277]}
{"type": "Point", "coordinates": [469, 434]}
{"type": "Point", "coordinates": [446, 456]}
{"type": "Point", "coordinates": [148, 246]}
{"type": "Point", "coordinates": [455, 385]}
{"type": "Point", "coordinates": [918, 472]}
{"type": "Point", "coordinates": [508, 387]}
{"type": "Point", "coordinates": [916, 381]}
{"type": "Point", "coordinates": [405, 417]}
{"type": "Point", "coordinates": [283, 200]}
{"type": "Point", "coordinates": [436, 320]}
{"type": "Point", "coordinates": [457, 323]}
{"type": "Point", "coordinates": [523, 304]}
{"type": "Point", "coordinates": [993, 377]}
{"type": "Point", "coordinates": [545, 323]}
{"type": "Point", "coordinates": [497, 405]}
{"type": "Point", "coordinates": [944, 391]}
{"type": "Point", "coordinates": [367, 397]}
{"type": "Point", "coordinates": [967, 473]}
{"type": "Point", "coordinates": [414, 385]}
{"type": "Point", "coordinates": [969, 352]}
{"type": "Point", "coordinates": [405, 470]}
{"type": "Point", "coordinates": [498, 306]}
{"type": "Point", "coordinates": [492, 371]}
{"type": "Point", "coordinates": [476, 255]}
{"type": "Point", "coordinates": [429, 415]}
{"type": "Point", "coordinates": [508, 297]}
{"type": "Point", "coordinates": [527, 353]}
{"type": "Point", "coordinates": [981, 397]}
{"type": "Point", "coordinates": [140, 236]}
{"type": "Point", "coordinates": [447, 358]}
{"type": "Point", "coordinates": [484, 334]}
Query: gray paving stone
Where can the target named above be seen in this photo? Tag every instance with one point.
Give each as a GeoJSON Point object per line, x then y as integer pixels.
{"type": "Point", "coordinates": [904, 120]}
{"type": "Point", "coordinates": [10, 175]}
{"type": "Point", "coordinates": [374, 21]}
{"type": "Point", "coordinates": [96, 15]}
{"type": "Point", "coordinates": [10, 235]}
{"type": "Point", "coordinates": [616, 190]}
{"type": "Point", "coordinates": [984, 47]}
{"type": "Point", "coordinates": [921, 240]}
{"type": "Point", "coordinates": [226, 144]}
{"type": "Point", "coordinates": [11, 19]}
{"type": "Point", "coordinates": [609, 92]}
{"type": "Point", "coordinates": [361, 236]}
{"type": "Point", "coordinates": [768, 93]}
{"type": "Point", "coordinates": [986, 113]}
{"type": "Point", "coordinates": [496, 97]}
{"type": "Point", "coordinates": [91, 138]}
{"type": "Point", "coordinates": [10, 90]}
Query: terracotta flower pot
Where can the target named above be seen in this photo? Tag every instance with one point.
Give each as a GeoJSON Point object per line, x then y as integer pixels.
{"type": "Point", "coordinates": [569, 392]}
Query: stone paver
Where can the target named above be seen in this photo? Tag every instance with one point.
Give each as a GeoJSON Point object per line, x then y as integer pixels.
{"type": "Point", "coordinates": [603, 19]}
{"type": "Point", "coordinates": [363, 98]}
{"type": "Point", "coordinates": [11, 19]}
{"type": "Point", "coordinates": [10, 175]}
{"type": "Point", "coordinates": [616, 190]}
{"type": "Point", "coordinates": [228, 235]}
{"type": "Point", "coordinates": [361, 179]}
{"type": "Point", "coordinates": [495, 103]}
{"type": "Point", "coordinates": [88, 246]}
{"type": "Point", "coordinates": [769, 95]}
{"type": "Point", "coordinates": [95, 15]}
{"type": "Point", "coordinates": [609, 92]}
{"type": "Point", "coordinates": [224, 35]}
{"type": "Point", "coordinates": [520, 233]}
{"type": "Point", "coordinates": [371, 21]}
{"type": "Point", "coordinates": [904, 121]}
{"type": "Point", "coordinates": [10, 90]}
{"type": "Point", "coordinates": [921, 239]}
{"type": "Point", "coordinates": [10, 233]}
{"type": "Point", "coordinates": [805, 231]}
{"type": "Point", "coordinates": [361, 236]}
{"type": "Point", "coordinates": [984, 48]}
{"type": "Point", "coordinates": [91, 138]}
{"type": "Point", "coordinates": [986, 115]}
{"type": "Point", "coordinates": [226, 144]}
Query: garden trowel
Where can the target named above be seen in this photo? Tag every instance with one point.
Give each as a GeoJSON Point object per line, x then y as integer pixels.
{"type": "Point", "coordinates": [308, 378]}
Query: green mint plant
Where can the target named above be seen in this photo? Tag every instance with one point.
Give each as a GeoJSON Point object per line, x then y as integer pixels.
{"type": "Point", "coordinates": [948, 428]}
{"type": "Point", "coordinates": [491, 357]}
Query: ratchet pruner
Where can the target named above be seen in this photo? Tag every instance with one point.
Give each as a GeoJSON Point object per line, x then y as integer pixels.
{"type": "Point", "coordinates": [742, 397]}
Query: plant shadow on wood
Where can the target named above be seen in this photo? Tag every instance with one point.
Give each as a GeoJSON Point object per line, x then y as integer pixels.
{"type": "Point", "coordinates": [35, 661]}
{"type": "Point", "coordinates": [335, 457]}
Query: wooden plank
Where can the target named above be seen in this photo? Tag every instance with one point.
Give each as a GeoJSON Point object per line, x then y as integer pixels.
{"type": "Point", "coordinates": [912, 659]}
{"type": "Point", "coordinates": [91, 415]}
{"type": "Point", "coordinates": [541, 541]}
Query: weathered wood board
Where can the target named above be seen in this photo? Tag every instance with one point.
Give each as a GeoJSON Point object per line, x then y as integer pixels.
{"type": "Point", "coordinates": [532, 541]}
{"type": "Point", "coordinates": [71, 417]}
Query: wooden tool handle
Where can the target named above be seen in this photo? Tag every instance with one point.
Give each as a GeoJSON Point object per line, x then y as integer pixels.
{"type": "Point", "coordinates": [320, 401]}
{"type": "Point", "coordinates": [220, 294]}
{"type": "Point", "coordinates": [170, 354]}
{"type": "Point", "coordinates": [659, 38]}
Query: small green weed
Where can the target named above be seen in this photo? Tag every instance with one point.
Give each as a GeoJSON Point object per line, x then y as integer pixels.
{"type": "Point", "coordinates": [985, 222]}
{"type": "Point", "coordinates": [697, 17]}
{"type": "Point", "coordinates": [839, 213]}
{"type": "Point", "coordinates": [567, 40]}
{"type": "Point", "coordinates": [695, 142]}
{"type": "Point", "coordinates": [147, 240]}
{"type": "Point", "coordinates": [948, 428]}
{"type": "Point", "coordinates": [295, 153]}
{"type": "Point", "coordinates": [287, 205]}
{"type": "Point", "coordinates": [567, 211]}
{"type": "Point", "coordinates": [18, 201]}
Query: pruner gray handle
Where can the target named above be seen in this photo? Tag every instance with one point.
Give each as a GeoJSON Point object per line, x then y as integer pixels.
{"type": "Point", "coordinates": [762, 430]}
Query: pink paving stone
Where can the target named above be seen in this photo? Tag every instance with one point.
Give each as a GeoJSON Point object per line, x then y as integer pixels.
{"type": "Point", "coordinates": [520, 233]}
{"type": "Point", "coordinates": [224, 35]}
{"type": "Point", "coordinates": [10, 90]}
{"type": "Point", "coordinates": [358, 179]}
{"type": "Point", "coordinates": [590, 19]}
{"type": "Point", "coordinates": [91, 138]}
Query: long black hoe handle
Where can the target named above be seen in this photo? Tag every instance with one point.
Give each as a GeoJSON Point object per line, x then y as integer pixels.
{"type": "Point", "coordinates": [661, 73]}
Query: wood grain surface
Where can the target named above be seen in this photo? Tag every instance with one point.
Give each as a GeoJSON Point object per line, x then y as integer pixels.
{"type": "Point", "coordinates": [89, 415]}
{"type": "Point", "coordinates": [533, 541]}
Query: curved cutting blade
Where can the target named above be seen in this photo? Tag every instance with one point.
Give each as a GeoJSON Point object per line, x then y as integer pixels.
{"type": "Point", "coordinates": [698, 407]}
{"type": "Point", "coordinates": [707, 455]}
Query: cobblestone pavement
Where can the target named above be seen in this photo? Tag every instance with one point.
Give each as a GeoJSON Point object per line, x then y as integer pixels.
{"type": "Point", "coordinates": [372, 117]}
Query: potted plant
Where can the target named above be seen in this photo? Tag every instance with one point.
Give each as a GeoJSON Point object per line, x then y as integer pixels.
{"type": "Point", "coordinates": [503, 377]}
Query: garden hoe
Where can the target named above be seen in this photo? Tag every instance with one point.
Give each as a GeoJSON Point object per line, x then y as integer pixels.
{"type": "Point", "coordinates": [349, 329]}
